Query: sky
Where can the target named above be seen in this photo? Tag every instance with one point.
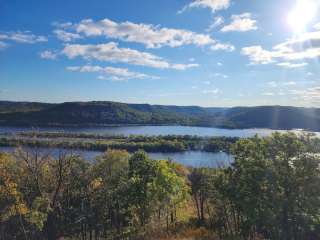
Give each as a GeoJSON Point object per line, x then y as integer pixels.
{"type": "Point", "coordinates": [176, 52]}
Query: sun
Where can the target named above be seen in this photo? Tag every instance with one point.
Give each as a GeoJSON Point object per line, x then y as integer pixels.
{"type": "Point", "coordinates": [303, 12]}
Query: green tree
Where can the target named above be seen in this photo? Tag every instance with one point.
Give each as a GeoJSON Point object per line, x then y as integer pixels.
{"type": "Point", "coordinates": [200, 189]}
{"type": "Point", "coordinates": [271, 190]}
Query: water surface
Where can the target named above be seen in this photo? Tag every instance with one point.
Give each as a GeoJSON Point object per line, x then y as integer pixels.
{"type": "Point", "coordinates": [153, 130]}
{"type": "Point", "coordinates": [189, 158]}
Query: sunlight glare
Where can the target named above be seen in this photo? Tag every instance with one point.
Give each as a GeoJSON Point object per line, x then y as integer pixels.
{"type": "Point", "coordinates": [303, 12]}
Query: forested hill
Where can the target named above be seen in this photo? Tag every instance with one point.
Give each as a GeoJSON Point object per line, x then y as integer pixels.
{"type": "Point", "coordinates": [9, 107]}
{"type": "Point", "coordinates": [93, 113]}
{"type": "Point", "coordinates": [98, 113]}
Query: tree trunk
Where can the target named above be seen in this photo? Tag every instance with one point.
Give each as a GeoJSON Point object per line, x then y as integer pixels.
{"type": "Point", "coordinates": [50, 227]}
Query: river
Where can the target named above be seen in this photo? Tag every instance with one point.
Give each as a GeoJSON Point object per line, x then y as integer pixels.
{"type": "Point", "coordinates": [189, 158]}
{"type": "Point", "coordinates": [154, 130]}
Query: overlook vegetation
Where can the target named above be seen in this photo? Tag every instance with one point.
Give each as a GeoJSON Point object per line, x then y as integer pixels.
{"type": "Point", "coordinates": [271, 191]}
{"type": "Point", "coordinates": [114, 113]}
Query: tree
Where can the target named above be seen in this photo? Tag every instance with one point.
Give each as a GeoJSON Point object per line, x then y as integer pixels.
{"type": "Point", "coordinates": [271, 190]}
{"type": "Point", "coordinates": [142, 176]}
{"type": "Point", "coordinates": [171, 190]}
{"type": "Point", "coordinates": [12, 204]}
{"type": "Point", "coordinates": [200, 180]}
{"type": "Point", "coordinates": [109, 199]}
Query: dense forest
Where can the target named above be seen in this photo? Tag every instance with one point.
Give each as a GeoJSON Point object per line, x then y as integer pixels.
{"type": "Point", "coordinates": [271, 191]}
{"type": "Point", "coordinates": [108, 113]}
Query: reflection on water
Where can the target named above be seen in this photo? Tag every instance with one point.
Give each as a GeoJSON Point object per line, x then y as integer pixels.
{"type": "Point", "coordinates": [197, 159]}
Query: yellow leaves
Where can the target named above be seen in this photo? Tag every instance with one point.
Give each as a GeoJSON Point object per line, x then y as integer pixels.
{"type": "Point", "coordinates": [12, 200]}
{"type": "Point", "coordinates": [16, 208]}
{"type": "Point", "coordinates": [96, 183]}
{"type": "Point", "coordinates": [46, 169]}
{"type": "Point", "coordinates": [9, 193]}
{"type": "Point", "coordinates": [9, 189]}
{"type": "Point", "coordinates": [21, 208]}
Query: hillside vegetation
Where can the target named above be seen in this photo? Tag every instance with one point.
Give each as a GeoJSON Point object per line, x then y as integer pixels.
{"type": "Point", "coordinates": [106, 113]}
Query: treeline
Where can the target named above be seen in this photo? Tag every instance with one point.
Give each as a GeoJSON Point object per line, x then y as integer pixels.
{"type": "Point", "coordinates": [271, 191]}
{"type": "Point", "coordinates": [169, 143]}
{"type": "Point", "coordinates": [97, 113]}
{"type": "Point", "coordinates": [103, 113]}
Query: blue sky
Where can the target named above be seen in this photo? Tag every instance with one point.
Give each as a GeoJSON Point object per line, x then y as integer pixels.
{"type": "Point", "coordinates": [175, 52]}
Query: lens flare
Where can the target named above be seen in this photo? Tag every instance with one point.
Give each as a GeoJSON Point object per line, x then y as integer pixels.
{"type": "Point", "coordinates": [303, 13]}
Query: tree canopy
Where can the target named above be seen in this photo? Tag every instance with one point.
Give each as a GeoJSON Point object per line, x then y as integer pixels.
{"type": "Point", "coordinates": [271, 191]}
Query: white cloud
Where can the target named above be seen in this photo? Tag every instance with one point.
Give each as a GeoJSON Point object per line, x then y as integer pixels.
{"type": "Point", "coordinates": [268, 94]}
{"type": "Point", "coordinates": [212, 91]}
{"type": "Point", "coordinates": [303, 41]}
{"type": "Point", "coordinates": [220, 75]}
{"type": "Point", "coordinates": [274, 84]}
{"type": "Point", "coordinates": [317, 26]}
{"type": "Point", "coordinates": [292, 65]}
{"type": "Point", "coordinates": [214, 5]}
{"type": "Point", "coordinates": [241, 23]}
{"type": "Point", "coordinates": [257, 55]}
{"type": "Point", "coordinates": [66, 36]}
{"type": "Point", "coordinates": [111, 73]}
{"type": "Point", "coordinates": [306, 46]}
{"type": "Point", "coordinates": [110, 52]}
{"type": "Point", "coordinates": [223, 46]}
{"type": "Point", "coordinates": [290, 83]}
{"type": "Point", "coordinates": [49, 55]}
{"type": "Point", "coordinates": [184, 66]}
{"type": "Point", "coordinates": [219, 64]}
{"type": "Point", "coordinates": [22, 37]}
{"type": "Point", "coordinates": [151, 36]}
{"type": "Point", "coordinates": [309, 95]}
{"type": "Point", "coordinates": [217, 21]}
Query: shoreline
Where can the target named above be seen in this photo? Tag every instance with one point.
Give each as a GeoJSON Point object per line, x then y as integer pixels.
{"type": "Point", "coordinates": [147, 125]}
